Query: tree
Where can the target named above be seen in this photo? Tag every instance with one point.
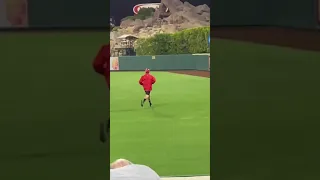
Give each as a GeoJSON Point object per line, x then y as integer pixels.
{"type": "Point", "coordinates": [145, 13]}
{"type": "Point", "coordinates": [189, 41]}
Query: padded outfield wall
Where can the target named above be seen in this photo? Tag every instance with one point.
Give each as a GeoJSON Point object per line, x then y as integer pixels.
{"type": "Point", "coordinates": [199, 62]}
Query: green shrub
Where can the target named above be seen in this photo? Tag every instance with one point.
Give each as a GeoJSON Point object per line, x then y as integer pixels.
{"type": "Point", "coordinates": [128, 17]}
{"type": "Point", "coordinates": [143, 14]}
{"type": "Point", "coordinates": [189, 41]}
{"type": "Point", "coordinates": [116, 28]}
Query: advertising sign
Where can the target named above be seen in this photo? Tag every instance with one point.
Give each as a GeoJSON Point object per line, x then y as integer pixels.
{"type": "Point", "coordinates": [137, 7]}
{"type": "Point", "coordinates": [114, 64]}
{"type": "Point", "coordinates": [13, 13]}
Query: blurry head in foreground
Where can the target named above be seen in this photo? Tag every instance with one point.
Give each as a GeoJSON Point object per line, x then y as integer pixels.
{"type": "Point", "coordinates": [147, 71]}
{"type": "Point", "coordinates": [123, 169]}
{"type": "Point", "coordinates": [120, 163]}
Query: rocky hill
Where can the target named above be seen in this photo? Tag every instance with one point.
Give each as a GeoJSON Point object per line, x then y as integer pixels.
{"type": "Point", "coordinates": [170, 17]}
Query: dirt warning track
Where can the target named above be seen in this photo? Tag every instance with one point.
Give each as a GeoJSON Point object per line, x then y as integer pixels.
{"type": "Point", "coordinates": [194, 73]}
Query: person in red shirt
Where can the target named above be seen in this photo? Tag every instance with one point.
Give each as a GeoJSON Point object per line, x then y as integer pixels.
{"type": "Point", "coordinates": [101, 65]}
{"type": "Point", "coordinates": [146, 81]}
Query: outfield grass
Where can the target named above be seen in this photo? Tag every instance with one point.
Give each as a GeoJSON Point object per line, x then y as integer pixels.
{"type": "Point", "coordinates": [265, 107]}
{"type": "Point", "coordinates": [173, 136]}
{"type": "Point", "coordinates": [51, 104]}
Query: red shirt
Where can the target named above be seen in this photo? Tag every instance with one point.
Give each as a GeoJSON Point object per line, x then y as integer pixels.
{"type": "Point", "coordinates": [101, 63]}
{"type": "Point", "coordinates": [147, 81]}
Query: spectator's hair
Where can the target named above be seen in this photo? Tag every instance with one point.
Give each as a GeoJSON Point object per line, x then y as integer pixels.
{"type": "Point", "coordinates": [120, 163]}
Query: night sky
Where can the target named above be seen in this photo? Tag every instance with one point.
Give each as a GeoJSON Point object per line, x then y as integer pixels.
{"type": "Point", "coordinates": [123, 8]}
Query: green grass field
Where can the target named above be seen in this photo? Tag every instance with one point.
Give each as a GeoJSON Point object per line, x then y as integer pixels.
{"type": "Point", "coordinates": [51, 105]}
{"type": "Point", "coordinates": [264, 106]}
{"type": "Point", "coordinates": [265, 112]}
{"type": "Point", "coordinates": [173, 137]}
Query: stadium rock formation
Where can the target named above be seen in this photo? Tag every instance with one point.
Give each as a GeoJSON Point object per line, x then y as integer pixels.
{"type": "Point", "coordinates": [181, 15]}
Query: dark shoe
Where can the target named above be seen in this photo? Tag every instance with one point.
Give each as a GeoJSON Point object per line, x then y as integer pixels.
{"type": "Point", "coordinates": [141, 103]}
{"type": "Point", "coordinates": [103, 137]}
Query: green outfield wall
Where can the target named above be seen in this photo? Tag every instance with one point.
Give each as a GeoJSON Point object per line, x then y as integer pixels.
{"type": "Point", "coordinates": [164, 62]}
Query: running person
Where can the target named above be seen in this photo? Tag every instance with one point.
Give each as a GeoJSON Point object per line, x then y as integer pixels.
{"type": "Point", "coordinates": [101, 65]}
{"type": "Point", "coordinates": [146, 81]}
